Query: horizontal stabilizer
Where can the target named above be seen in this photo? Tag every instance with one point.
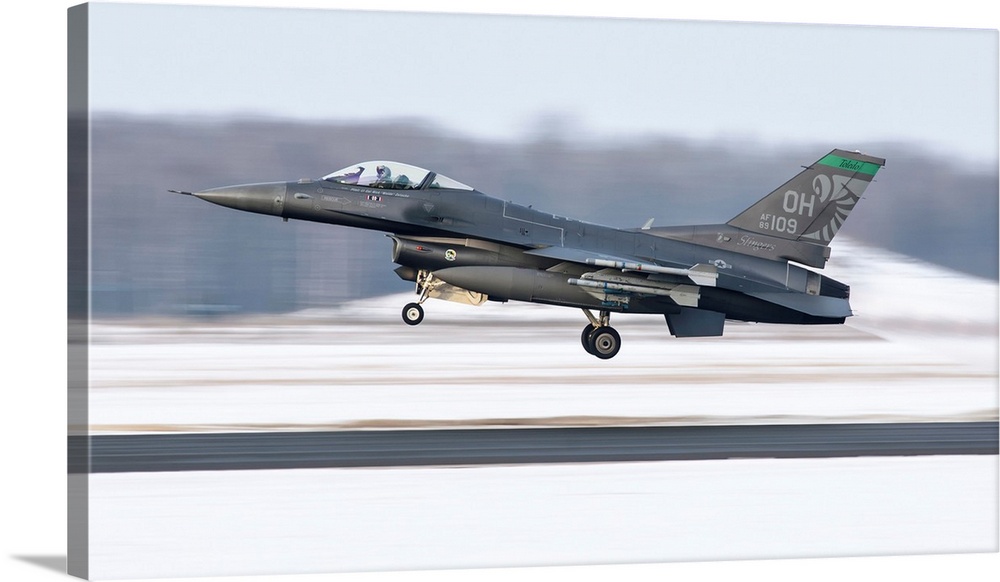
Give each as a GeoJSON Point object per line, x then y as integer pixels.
{"type": "Point", "coordinates": [818, 306]}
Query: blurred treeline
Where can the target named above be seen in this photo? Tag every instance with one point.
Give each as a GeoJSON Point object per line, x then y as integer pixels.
{"type": "Point", "coordinates": [154, 252]}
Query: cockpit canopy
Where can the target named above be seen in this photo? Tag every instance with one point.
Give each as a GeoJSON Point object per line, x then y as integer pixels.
{"type": "Point", "coordinates": [393, 176]}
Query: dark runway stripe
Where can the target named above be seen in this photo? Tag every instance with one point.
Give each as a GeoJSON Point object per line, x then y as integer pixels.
{"type": "Point", "coordinates": [398, 448]}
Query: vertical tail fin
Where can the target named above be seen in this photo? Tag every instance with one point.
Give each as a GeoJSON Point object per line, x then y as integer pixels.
{"type": "Point", "coordinates": [812, 206]}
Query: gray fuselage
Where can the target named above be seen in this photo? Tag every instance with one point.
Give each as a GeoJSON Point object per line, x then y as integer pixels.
{"type": "Point", "coordinates": [531, 254]}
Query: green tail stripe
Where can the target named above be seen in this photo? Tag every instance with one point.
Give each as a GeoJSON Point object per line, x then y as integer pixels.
{"type": "Point", "coordinates": [850, 165]}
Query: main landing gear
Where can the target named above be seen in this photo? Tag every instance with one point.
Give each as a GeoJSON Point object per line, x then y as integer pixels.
{"type": "Point", "coordinates": [599, 338]}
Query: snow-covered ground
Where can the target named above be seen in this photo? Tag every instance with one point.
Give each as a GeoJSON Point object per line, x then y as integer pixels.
{"type": "Point", "coordinates": [448, 376]}
{"type": "Point", "coordinates": [923, 346]}
{"type": "Point", "coordinates": [335, 520]}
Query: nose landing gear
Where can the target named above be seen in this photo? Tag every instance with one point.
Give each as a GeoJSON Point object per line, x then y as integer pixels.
{"type": "Point", "coordinates": [413, 313]}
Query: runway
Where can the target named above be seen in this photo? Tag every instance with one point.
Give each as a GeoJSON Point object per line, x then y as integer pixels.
{"type": "Point", "coordinates": [399, 448]}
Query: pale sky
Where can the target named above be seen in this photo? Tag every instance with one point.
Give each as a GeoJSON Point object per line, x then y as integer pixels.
{"type": "Point", "coordinates": [497, 76]}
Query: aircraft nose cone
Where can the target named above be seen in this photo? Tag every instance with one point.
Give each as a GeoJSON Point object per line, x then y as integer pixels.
{"type": "Point", "coordinates": [261, 198]}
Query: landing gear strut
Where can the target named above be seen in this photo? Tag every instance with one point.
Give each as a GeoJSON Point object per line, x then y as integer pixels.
{"type": "Point", "coordinates": [413, 313]}
{"type": "Point", "coordinates": [599, 338]}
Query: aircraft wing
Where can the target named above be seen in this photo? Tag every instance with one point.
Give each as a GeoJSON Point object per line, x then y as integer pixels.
{"type": "Point", "coordinates": [610, 276]}
{"type": "Point", "coordinates": [700, 274]}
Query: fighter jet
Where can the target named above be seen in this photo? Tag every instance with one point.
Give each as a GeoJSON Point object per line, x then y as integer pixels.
{"type": "Point", "coordinates": [459, 244]}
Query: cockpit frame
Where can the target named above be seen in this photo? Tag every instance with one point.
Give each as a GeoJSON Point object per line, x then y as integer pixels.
{"type": "Point", "coordinates": [389, 175]}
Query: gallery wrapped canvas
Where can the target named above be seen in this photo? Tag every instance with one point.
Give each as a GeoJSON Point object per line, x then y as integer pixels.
{"type": "Point", "coordinates": [488, 291]}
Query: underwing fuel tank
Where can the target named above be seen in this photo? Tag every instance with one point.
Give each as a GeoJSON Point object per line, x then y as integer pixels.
{"type": "Point", "coordinates": [518, 284]}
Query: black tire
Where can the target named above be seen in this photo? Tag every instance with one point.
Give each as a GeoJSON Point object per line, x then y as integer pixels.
{"type": "Point", "coordinates": [413, 313]}
{"type": "Point", "coordinates": [585, 338]}
{"type": "Point", "coordinates": [605, 342]}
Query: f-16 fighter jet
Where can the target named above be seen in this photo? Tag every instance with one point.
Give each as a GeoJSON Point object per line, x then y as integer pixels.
{"type": "Point", "coordinates": [459, 244]}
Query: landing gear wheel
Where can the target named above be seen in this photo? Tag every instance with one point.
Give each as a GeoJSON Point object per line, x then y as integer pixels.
{"type": "Point", "coordinates": [604, 342]}
{"type": "Point", "coordinates": [585, 338]}
{"type": "Point", "coordinates": [413, 313]}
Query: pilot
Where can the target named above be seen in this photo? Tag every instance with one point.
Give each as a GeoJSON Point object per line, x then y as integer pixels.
{"type": "Point", "coordinates": [384, 176]}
